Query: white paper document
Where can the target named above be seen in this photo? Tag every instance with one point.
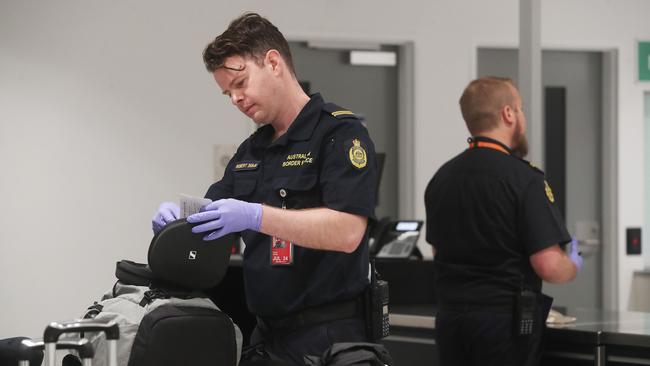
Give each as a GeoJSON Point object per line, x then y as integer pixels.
{"type": "Point", "coordinates": [191, 205]}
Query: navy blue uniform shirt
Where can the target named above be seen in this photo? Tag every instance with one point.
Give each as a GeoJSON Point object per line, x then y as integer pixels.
{"type": "Point", "coordinates": [325, 159]}
{"type": "Point", "coordinates": [487, 213]}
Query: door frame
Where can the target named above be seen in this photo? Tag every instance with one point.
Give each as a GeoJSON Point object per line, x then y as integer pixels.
{"type": "Point", "coordinates": [405, 109]}
{"type": "Point", "coordinates": [609, 163]}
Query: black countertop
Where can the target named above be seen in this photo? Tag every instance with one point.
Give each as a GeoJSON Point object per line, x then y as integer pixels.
{"type": "Point", "coordinates": [412, 313]}
{"type": "Point", "coordinates": [608, 327]}
{"type": "Point", "coordinates": [421, 316]}
{"type": "Point", "coordinates": [592, 326]}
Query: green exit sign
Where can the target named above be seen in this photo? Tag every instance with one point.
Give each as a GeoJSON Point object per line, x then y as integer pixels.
{"type": "Point", "coordinates": [644, 61]}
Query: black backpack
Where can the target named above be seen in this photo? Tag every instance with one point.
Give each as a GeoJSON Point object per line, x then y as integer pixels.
{"type": "Point", "coordinates": [352, 354]}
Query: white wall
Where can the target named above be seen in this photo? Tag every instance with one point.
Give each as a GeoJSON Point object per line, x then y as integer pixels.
{"type": "Point", "coordinates": [106, 110]}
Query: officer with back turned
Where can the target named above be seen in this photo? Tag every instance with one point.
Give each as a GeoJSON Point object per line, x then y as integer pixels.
{"type": "Point", "coordinates": [497, 233]}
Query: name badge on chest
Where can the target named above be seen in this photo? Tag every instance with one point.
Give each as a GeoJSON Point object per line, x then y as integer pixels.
{"type": "Point", "coordinates": [281, 250]}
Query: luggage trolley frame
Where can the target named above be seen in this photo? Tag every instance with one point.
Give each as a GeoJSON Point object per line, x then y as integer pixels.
{"type": "Point", "coordinates": [54, 330]}
{"type": "Point", "coordinates": [83, 347]}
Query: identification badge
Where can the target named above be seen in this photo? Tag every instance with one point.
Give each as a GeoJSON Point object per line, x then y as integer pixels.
{"type": "Point", "coordinates": [281, 252]}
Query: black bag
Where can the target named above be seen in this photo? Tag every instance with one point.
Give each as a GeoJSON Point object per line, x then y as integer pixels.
{"type": "Point", "coordinates": [352, 354]}
{"type": "Point", "coordinates": [180, 257]}
{"type": "Point", "coordinates": [10, 353]}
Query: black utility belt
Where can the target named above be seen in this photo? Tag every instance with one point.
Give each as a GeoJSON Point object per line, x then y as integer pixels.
{"type": "Point", "coordinates": [528, 310]}
{"type": "Point", "coordinates": [313, 316]}
{"type": "Point", "coordinates": [463, 307]}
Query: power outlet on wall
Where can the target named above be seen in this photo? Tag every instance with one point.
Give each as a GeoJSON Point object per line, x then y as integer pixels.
{"type": "Point", "coordinates": [633, 239]}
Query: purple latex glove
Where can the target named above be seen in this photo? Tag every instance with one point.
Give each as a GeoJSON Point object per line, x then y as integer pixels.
{"type": "Point", "coordinates": [227, 216]}
{"type": "Point", "coordinates": [167, 212]}
{"type": "Point", "coordinates": [574, 255]}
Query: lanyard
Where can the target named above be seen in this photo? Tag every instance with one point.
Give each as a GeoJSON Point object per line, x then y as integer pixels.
{"type": "Point", "coordinates": [488, 145]}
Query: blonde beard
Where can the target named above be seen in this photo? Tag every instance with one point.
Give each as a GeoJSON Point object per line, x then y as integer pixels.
{"type": "Point", "coordinates": [520, 146]}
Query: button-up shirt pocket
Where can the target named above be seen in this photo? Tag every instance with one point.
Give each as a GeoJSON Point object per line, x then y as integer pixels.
{"type": "Point", "coordinates": [301, 191]}
{"type": "Point", "coordinates": [244, 186]}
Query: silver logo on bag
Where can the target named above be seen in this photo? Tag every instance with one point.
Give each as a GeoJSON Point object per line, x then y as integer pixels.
{"type": "Point", "coordinates": [192, 254]}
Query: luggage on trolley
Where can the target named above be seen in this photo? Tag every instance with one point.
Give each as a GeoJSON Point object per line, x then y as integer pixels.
{"type": "Point", "coordinates": [165, 317]}
{"type": "Point", "coordinates": [156, 314]}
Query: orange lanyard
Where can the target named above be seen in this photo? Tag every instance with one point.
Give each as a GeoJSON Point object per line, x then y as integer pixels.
{"type": "Point", "coordinates": [488, 145]}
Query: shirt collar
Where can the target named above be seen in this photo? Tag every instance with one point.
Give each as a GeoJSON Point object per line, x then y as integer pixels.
{"type": "Point", "coordinates": [300, 129]}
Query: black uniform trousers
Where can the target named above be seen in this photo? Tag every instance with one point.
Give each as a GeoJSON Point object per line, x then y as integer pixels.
{"type": "Point", "coordinates": [482, 337]}
{"type": "Point", "coordinates": [287, 347]}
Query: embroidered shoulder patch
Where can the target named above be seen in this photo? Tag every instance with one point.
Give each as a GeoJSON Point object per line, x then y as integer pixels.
{"type": "Point", "coordinates": [358, 156]}
{"type": "Point", "coordinates": [549, 192]}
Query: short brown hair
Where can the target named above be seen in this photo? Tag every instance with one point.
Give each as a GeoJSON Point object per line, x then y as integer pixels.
{"type": "Point", "coordinates": [482, 101]}
{"type": "Point", "coordinates": [250, 35]}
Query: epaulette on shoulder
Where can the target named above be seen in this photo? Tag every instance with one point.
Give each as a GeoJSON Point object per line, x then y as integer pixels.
{"type": "Point", "coordinates": [532, 166]}
{"type": "Point", "coordinates": [338, 112]}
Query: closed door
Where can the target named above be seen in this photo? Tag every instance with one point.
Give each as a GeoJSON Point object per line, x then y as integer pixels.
{"type": "Point", "coordinates": [572, 82]}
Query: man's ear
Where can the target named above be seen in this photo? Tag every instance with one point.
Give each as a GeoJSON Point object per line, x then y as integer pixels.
{"type": "Point", "coordinates": [274, 60]}
{"type": "Point", "coordinates": [508, 115]}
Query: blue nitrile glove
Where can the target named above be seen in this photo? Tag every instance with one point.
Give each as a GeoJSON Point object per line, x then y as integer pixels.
{"type": "Point", "coordinates": [227, 216]}
{"type": "Point", "coordinates": [574, 255]}
{"type": "Point", "coordinates": [167, 212]}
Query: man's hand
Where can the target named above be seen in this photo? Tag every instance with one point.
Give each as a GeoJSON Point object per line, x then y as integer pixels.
{"type": "Point", "coordinates": [167, 212]}
{"type": "Point", "coordinates": [575, 256]}
{"type": "Point", "coordinates": [227, 216]}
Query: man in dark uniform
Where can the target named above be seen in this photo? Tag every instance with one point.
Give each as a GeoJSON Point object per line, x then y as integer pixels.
{"type": "Point", "coordinates": [300, 190]}
{"type": "Point", "coordinates": [496, 233]}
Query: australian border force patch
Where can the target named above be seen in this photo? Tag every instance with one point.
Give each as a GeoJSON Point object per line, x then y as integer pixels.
{"type": "Point", "coordinates": [357, 155]}
{"type": "Point", "coordinates": [549, 192]}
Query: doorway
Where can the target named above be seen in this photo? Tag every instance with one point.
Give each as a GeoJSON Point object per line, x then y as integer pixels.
{"type": "Point", "coordinates": [573, 127]}
{"type": "Point", "coordinates": [371, 92]}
